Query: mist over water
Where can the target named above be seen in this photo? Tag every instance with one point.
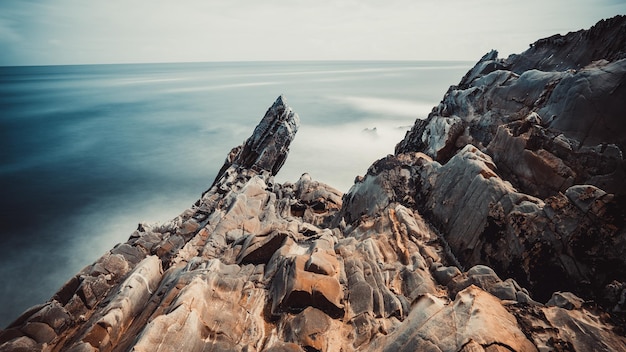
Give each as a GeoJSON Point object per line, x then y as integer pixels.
{"type": "Point", "coordinates": [88, 152]}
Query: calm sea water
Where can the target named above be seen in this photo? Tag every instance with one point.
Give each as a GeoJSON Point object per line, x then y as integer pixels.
{"type": "Point", "coordinates": [87, 152]}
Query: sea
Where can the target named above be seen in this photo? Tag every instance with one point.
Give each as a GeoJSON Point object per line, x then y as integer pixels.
{"type": "Point", "coordinates": [89, 151]}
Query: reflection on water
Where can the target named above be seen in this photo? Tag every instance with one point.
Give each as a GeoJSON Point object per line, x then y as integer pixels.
{"type": "Point", "coordinates": [87, 152]}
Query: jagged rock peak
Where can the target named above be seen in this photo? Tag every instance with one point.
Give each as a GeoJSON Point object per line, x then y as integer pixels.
{"type": "Point", "coordinates": [574, 87]}
{"type": "Point", "coordinates": [268, 147]}
{"type": "Point", "coordinates": [606, 40]}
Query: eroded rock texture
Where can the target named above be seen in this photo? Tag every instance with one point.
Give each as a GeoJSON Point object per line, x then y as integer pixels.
{"type": "Point", "coordinates": [527, 170]}
{"type": "Point", "coordinates": [469, 238]}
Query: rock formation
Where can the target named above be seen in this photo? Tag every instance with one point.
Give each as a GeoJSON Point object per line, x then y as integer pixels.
{"type": "Point", "coordinates": [498, 225]}
{"type": "Point", "coordinates": [545, 131]}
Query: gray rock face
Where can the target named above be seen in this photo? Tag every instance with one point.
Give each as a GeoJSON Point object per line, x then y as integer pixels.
{"type": "Point", "coordinates": [444, 246]}
{"type": "Point", "coordinates": [523, 167]}
{"type": "Point", "coordinates": [268, 147]}
{"type": "Point", "coordinates": [603, 41]}
{"type": "Point", "coordinates": [571, 85]}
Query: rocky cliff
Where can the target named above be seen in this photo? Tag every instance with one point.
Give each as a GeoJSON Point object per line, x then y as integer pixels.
{"type": "Point", "coordinates": [498, 225]}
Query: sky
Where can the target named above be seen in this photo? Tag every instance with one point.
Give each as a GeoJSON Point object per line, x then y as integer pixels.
{"type": "Point", "coordinates": [50, 32]}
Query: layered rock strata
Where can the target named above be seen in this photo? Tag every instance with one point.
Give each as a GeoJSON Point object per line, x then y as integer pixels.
{"type": "Point", "coordinates": [455, 243]}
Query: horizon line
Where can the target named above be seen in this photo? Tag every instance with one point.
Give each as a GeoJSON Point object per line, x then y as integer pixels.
{"type": "Point", "coordinates": [241, 61]}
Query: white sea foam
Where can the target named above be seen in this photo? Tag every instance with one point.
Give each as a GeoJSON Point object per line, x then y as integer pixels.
{"type": "Point", "coordinates": [386, 107]}
{"type": "Point", "coordinates": [332, 155]}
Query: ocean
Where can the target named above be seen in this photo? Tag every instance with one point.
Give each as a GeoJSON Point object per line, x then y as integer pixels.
{"type": "Point", "coordinates": [87, 152]}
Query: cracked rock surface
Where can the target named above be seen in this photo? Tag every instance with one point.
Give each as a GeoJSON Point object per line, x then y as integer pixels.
{"type": "Point", "coordinates": [498, 225]}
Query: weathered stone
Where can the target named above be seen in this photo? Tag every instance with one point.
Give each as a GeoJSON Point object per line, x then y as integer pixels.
{"type": "Point", "coordinates": [114, 264]}
{"type": "Point", "coordinates": [284, 347]}
{"type": "Point", "coordinates": [82, 347]}
{"type": "Point", "coordinates": [194, 323]}
{"type": "Point", "coordinates": [444, 274]}
{"type": "Point", "coordinates": [309, 329]}
{"type": "Point", "coordinates": [565, 300]}
{"type": "Point", "coordinates": [40, 332]}
{"type": "Point", "coordinates": [474, 316]}
{"type": "Point", "coordinates": [361, 298]}
{"type": "Point", "coordinates": [148, 241]}
{"type": "Point", "coordinates": [268, 147]}
{"type": "Point", "coordinates": [322, 261]}
{"type": "Point", "coordinates": [54, 315]}
{"type": "Point", "coordinates": [259, 249]}
{"type": "Point", "coordinates": [549, 245]}
{"type": "Point", "coordinates": [515, 175]}
{"type": "Point", "coordinates": [365, 328]}
{"type": "Point", "coordinates": [20, 344]}
{"type": "Point", "coordinates": [10, 334]}
{"type": "Point", "coordinates": [297, 289]}
{"type": "Point", "coordinates": [114, 318]}
{"type": "Point", "coordinates": [131, 253]}
{"type": "Point", "coordinates": [67, 291]}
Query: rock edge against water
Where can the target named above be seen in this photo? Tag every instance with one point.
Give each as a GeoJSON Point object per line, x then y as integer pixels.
{"type": "Point", "coordinates": [498, 225]}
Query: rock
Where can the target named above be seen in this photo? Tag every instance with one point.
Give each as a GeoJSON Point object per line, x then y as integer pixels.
{"type": "Point", "coordinates": [285, 347]}
{"type": "Point", "coordinates": [190, 323]}
{"type": "Point", "coordinates": [20, 344]}
{"type": "Point", "coordinates": [54, 315]}
{"type": "Point", "coordinates": [444, 274]}
{"type": "Point", "coordinates": [485, 278]}
{"type": "Point", "coordinates": [568, 98]}
{"type": "Point", "coordinates": [133, 293]}
{"type": "Point", "coordinates": [550, 244]}
{"type": "Point", "coordinates": [309, 329]}
{"type": "Point", "coordinates": [474, 317]}
{"type": "Point", "coordinates": [517, 175]}
{"type": "Point", "coordinates": [615, 296]}
{"type": "Point", "coordinates": [294, 289]}
{"type": "Point", "coordinates": [579, 329]}
{"type": "Point", "coordinates": [259, 249]}
{"type": "Point", "coordinates": [603, 41]}
{"type": "Point", "coordinates": [268, 147]}
{"type": "Point", "coordinates": [588, 198]}
{"type": "Point", "coordinates": [565, 300]}
{"type": "Point", "coordinates": [533, 130]}
{"type": "Point", "coordinates": [40, 332]}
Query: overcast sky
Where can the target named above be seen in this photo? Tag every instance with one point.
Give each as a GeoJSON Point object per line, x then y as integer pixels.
{"type": "Point", "coordinates": [40, 32]}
